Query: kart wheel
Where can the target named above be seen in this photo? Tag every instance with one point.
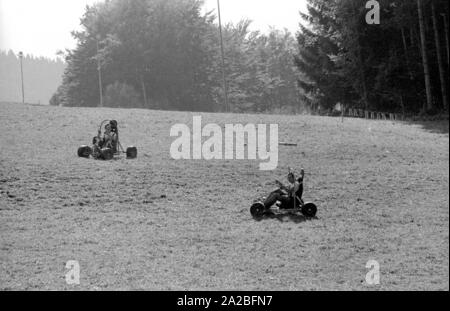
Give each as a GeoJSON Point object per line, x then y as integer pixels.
{"type": "Point", "coordinates": [107, 154]}
{"type": "Point", "coordinates": [131, 153]}
{"type": "Point", "coordinates": [257, 210]}
{"type": "Point", "coordinates": [84, 151]}
{"type": "Point", "coordinates": [309, 210]}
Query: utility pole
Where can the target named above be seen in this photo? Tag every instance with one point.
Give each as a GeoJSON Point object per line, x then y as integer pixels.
{"type": "Point", "coordinates": [99, 68]}
{"type": "Point", "coordinates": [21, 75]}
{"type": "Point", "coordinates": [225, 91]}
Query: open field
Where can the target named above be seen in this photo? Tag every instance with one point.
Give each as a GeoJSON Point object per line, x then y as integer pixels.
{"type": "Point", "coordinates": [158, 224]}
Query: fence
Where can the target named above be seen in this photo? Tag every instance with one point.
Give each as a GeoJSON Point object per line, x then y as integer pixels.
{"type": "Point", "coordinates": [374, 115]}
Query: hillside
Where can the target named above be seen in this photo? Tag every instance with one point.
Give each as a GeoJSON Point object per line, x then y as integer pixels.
{"type": "Point", "coordinates": [158, 224]}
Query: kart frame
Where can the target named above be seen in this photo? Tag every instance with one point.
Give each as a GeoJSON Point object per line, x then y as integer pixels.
{"type": "Point", "coordinates": [120, 149]}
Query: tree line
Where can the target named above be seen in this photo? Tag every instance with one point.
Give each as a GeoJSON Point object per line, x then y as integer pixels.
{"type": "Point", "coordinates": [166, 54]}
{"type": "Point", "coordinates": [42, 76]}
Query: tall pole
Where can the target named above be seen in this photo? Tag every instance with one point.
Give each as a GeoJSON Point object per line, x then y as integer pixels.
{"type": "Point", "coordinates": [21, 76]}
{"type": "Point", "coordinates": [224, 80]}
{"type": "Point", "coordinates": [99, 68]}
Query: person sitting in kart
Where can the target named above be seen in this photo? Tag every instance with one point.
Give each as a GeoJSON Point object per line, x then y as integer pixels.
{"type": "Point", "coordinates": [96, 147]}
{"type": "Point", "coordinates": [109, 138]}
{"type": "Point", "coordinates": [286, 194]}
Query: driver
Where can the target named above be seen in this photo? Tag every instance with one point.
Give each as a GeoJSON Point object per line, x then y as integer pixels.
{"type": "Point", "coordinates": [108, 137]}
{"type": "Point", "coordinates": [286, 193]}
{"type": "Point", "coordinates": [108, 140]}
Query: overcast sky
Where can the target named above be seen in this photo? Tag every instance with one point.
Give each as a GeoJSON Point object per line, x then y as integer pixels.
{"type": "Point", "coordinates": [42, 27]}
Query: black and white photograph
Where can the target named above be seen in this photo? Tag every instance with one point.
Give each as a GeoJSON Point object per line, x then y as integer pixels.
{"type": "Point", "coordinates": [226, 146]}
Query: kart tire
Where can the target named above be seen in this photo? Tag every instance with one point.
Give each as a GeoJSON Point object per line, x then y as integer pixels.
{"type": "Point", "coordinates": [107, 154]}
{"type": "Point", "coordinates": [257, 210]}
{"type": "Point", "coordinates": [309, 210]}
{"type": "Point", "coordinates": [131, 153]}
{"type": "Point", "coordinates": [84, 151]}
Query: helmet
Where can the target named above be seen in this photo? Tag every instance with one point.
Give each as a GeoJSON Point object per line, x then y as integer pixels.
{"type": "Point", "coordinates": [113, 124]}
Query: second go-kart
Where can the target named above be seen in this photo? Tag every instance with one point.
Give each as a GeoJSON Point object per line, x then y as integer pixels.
{"type": "Point", "coordinates": [295, 206]}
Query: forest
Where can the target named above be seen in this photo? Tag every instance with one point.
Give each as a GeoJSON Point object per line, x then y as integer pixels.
{"type": "Point", "coordinates": [166, 54]}
{"type": "Point", "coordinates": [399, 65]}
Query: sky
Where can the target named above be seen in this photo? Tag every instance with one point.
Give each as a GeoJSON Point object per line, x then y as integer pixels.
{"type": "Point", "coordinates": [42, 27]}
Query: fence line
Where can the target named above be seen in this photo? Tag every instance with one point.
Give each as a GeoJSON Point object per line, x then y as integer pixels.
{"type": "Point", "coordinates": [374, 115]}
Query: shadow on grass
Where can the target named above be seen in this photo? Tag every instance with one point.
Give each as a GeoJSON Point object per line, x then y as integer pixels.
{"type": "Point", "coordinates": [437, 127]}
{"type": "Point", "coordinates": [286, 217]}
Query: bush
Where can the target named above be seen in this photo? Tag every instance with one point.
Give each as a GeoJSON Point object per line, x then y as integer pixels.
{"type": "Point", "coordinates": [54, 101]}
{"type": "Point", "coordinates": [121, 95]}
{"type": "Point", "coordinates": [58, 98]}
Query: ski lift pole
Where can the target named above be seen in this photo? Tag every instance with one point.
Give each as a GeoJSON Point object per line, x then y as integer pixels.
{"type": "Point", "coordinates": [21, 75]}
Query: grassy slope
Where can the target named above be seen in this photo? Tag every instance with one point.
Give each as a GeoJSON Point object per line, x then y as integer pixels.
{"type": "Point", "coordinates": [382, 190]}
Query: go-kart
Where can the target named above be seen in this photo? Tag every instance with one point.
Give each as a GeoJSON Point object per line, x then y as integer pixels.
{"type": "Point", "coordinates": [296, 206]}
{"type": "Point", "coordinates": [102, 151]}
